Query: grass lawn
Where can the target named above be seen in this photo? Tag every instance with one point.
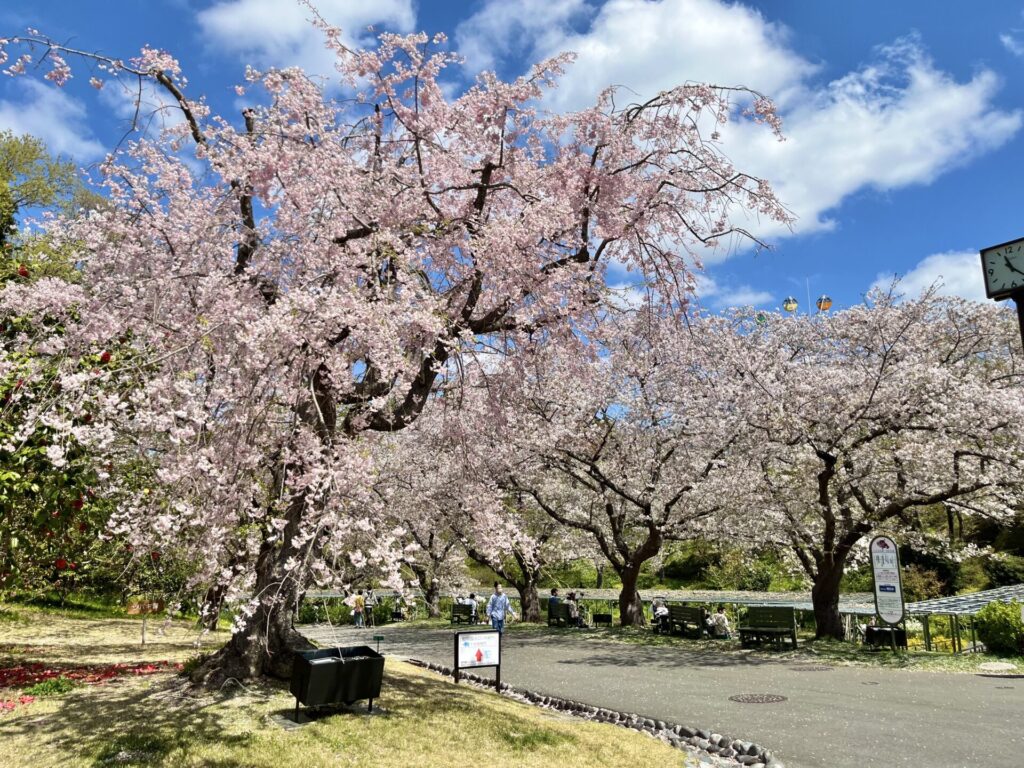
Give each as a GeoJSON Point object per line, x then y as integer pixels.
{"type": "Point", "coordinates": [151, 717]}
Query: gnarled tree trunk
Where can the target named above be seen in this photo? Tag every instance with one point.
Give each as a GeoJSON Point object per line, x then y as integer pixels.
{"type": "Point", "coordinates": [631, 607]}
{"type": "Point", "coordinates": [825, 598]}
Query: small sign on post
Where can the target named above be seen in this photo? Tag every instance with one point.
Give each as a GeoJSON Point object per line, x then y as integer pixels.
{"type": "Point", "coordinates": [885, 570]}
{"type": "Point", "coordinates": [478, 648]}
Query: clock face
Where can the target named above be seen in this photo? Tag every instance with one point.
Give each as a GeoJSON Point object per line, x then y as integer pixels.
{"type": "Point", "coordinates": [1004, 269]}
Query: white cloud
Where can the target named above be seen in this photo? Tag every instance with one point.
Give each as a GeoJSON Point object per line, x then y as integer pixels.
{"type": "Point", "coordinates": [628, 295]}
{"type": "Point", "coordinates": [1012, 44]}
{"type": "Point", "coordinates": [651, 46]}
{"type": "Point", "coordinates": [279, 33]}
{"type": "Point", "coordinates": [717, 296]}
{"type": "Point", "coordinates": [50, 114]}
{"type": "Point", "coordinates": [955, 273]}
{"type": "Point", "coordinates": [898, 120]}
{"type": "Point", "coordinates": [502, 29]}
{"type": "Point", "coordinates": [895, 122]}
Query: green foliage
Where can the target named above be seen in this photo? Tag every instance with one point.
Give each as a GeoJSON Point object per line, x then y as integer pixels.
{"type": "Point", "coordinates": [1004, 570]}
{"type": "Point", "coordinates": [738, 570]}
{"type": "Point", "coordinates": [921, 583]}
{"type": "Point", "coordinates": [55, 686]}
{"type": "Point", "coordinates": [192, 663]}
{"type": "Point", "coordinates": [1001, 627]}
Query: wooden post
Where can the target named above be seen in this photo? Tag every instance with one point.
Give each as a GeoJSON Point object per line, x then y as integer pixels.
{"type": "Point", "coordinates": [926, 631]}
{"type": "Point", "coordinates": [974, 637]}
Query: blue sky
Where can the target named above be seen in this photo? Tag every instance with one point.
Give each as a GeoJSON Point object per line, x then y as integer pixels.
{"type": "Point", "coordinates": [905, 121]}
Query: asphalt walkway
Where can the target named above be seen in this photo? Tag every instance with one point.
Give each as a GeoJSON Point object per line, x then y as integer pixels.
{"type": "Point", "coordinates": [833, 717]}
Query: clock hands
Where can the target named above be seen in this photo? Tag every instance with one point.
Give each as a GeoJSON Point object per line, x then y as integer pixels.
{"type": "Point", "coordinates": [1010, 266]}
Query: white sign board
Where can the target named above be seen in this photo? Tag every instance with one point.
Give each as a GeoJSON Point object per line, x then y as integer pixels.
{"type": "Point", "coordinates": [885, 567]}
{"type": "Point", "coordinates": [478, 649]}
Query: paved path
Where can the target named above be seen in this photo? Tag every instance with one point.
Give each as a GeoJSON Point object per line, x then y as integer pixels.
{"type": "Point", "coordinates": [846, 716]}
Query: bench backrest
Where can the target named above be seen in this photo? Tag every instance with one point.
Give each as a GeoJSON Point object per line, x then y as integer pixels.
{"type": "Point", "coordinates": [461, 609]}
{"type": "Point", "coordinates": [779, 617]}
{"type": "Point", "coordinates": [687, 613]}
{"type": "Point", "coordinates": [559, 610]}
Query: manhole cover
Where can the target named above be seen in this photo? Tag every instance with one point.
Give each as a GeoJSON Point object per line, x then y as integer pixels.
{"type": "Point", "coordinates": [811, 668]}
{"type": "Point", "coordinates": [870, 682]}
{"type": "Point", "coordinates": [997, 666]}
{"type": "Point", "coordinates": [757, 698]}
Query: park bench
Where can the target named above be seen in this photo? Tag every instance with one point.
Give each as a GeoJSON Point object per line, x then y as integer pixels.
{"type": "Point", "coordinates": [680, 616]}
{"type": "Point", "coordinates": [558, 615]}
{"type": "Point", "coordinates": [774, 624]}
{"type": "Point", "coordinates": [463, 613]}
{"type": "Point", "coordinates": [602, 619]}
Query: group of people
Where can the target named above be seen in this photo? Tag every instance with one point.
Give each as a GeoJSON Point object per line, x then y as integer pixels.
{"type": "Point", "coordinates": [576, 613]}
{"type": "Point", "coordinates": [716, 624]}
{"type": "Point", "coordinates": [362, 608]}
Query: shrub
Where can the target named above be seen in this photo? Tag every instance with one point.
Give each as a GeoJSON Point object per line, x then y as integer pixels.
{"type": "Point", "coordinates": [921, 583]}
{"type": "Point", "coordinates": [192, 663]}
{"type": "Point", "coordinates": [1001, 627]}
{"type": "Point", "coordinates": [52, 687]}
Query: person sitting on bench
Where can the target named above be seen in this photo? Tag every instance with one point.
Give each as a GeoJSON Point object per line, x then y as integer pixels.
{"type": "Point", "coordinates": [661, 622]}
{"type": "Point", "coordinates": [719, 624]}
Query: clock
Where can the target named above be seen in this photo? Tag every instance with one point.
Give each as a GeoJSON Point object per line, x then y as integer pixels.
{"type": "Point", "coordinates": [1003, 266]}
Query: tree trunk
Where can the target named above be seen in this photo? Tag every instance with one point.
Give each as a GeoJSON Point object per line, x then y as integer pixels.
{"type": "Point", "coordinates": [213, 604]}
{"type": "Point", "coordinates": [268, 642]}
{"type": "Point", "coordinates": [600, 577]}
{"type": "Point", "coordinates": [631, 608]}
{"type": "Point", "coordinates": [432, 596]}
{"type": "Point", "coordinates": [529, 600]}
{"type": "Point", "coordinates": [825, 598]}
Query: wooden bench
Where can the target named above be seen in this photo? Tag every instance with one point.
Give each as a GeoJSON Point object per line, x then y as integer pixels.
{"type": "Point", "coordinates": [463, 613]}
{"type": "Point", "coordinates": [766, 623]}
{"type": "Point", "coordinates": [680, 616]}
{"type": "Point", "coordinates": [602, 619]}
{"type": "Point", "coordinates": [558, 615]}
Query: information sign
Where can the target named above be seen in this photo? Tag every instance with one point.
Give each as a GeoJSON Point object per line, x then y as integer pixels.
{"type": "Point", "coordinates": [885, 568]}
{"type": "Point", "coordinates": [480, 648]}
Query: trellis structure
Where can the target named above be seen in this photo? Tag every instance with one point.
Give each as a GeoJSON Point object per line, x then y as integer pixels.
{"type": "Point", "coordinates": [959, 607]}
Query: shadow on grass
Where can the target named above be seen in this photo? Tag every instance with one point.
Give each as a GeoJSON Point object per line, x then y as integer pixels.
{"type": "Point", "coordinates": [122, 724]}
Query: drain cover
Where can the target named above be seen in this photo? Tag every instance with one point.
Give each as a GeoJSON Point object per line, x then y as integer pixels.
{"type": "Point", "coordinates": [1005, 687]}
{"type": "Point", "coordinates": [870, 682]}
{"type": "Point", "coordinates": [811, 668]}
{"type": "Point", "coordinates": [757, 698]}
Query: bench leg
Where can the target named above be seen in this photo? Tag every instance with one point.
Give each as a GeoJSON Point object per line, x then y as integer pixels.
{"type": "Point", "coordinates": [369, 707]}
{"type": "Point", "coordinates": [296, 710]}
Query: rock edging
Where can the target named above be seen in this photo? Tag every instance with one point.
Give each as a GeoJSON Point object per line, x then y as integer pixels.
{"type": "Point", "coordinates": [730, 751]}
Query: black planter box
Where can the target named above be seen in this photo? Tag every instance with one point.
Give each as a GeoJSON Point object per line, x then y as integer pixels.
{"type": "Point", "coordinates": [336, 676]}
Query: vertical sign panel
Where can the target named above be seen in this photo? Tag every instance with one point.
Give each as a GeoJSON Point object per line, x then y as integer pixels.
{"type": "Point", "coordinates": [885, 567]}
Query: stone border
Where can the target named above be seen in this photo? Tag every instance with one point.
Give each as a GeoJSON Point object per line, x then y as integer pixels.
{"type": "Point", "coordinates": [730, 751]}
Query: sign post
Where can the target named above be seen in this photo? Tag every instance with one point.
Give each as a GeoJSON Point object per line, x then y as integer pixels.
{"type": "Point", "coordinates": [885, 572]}
{"type": "Point", "coordinates": [478, 648]}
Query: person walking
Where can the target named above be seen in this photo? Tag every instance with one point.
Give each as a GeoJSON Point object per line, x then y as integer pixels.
{"type": "Point", "coordinates": [358, 606]}
{"type": "Point", "coordinates": [498, 607]}
{"type": "Point", "coordinates": [371, 603]}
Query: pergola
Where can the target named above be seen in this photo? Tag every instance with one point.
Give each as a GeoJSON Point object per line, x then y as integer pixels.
{"type": "Point", "coordinates": [961, 606]}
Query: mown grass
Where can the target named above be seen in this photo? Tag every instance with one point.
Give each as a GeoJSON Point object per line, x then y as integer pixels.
{"type": "Point", "coordinates": [157, 720]}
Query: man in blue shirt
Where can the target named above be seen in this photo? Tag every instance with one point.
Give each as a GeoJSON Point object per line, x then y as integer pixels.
{"type": "Point", "coordinates": [498, 607]}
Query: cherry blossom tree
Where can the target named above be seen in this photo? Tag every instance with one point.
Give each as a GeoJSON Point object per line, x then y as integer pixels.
{"type": "Point", "coordinates": [868, 415]}
{"type": "Point", "coordinates": [635, 442]}
{"type": "Point", "coordinates": [296, 280]}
